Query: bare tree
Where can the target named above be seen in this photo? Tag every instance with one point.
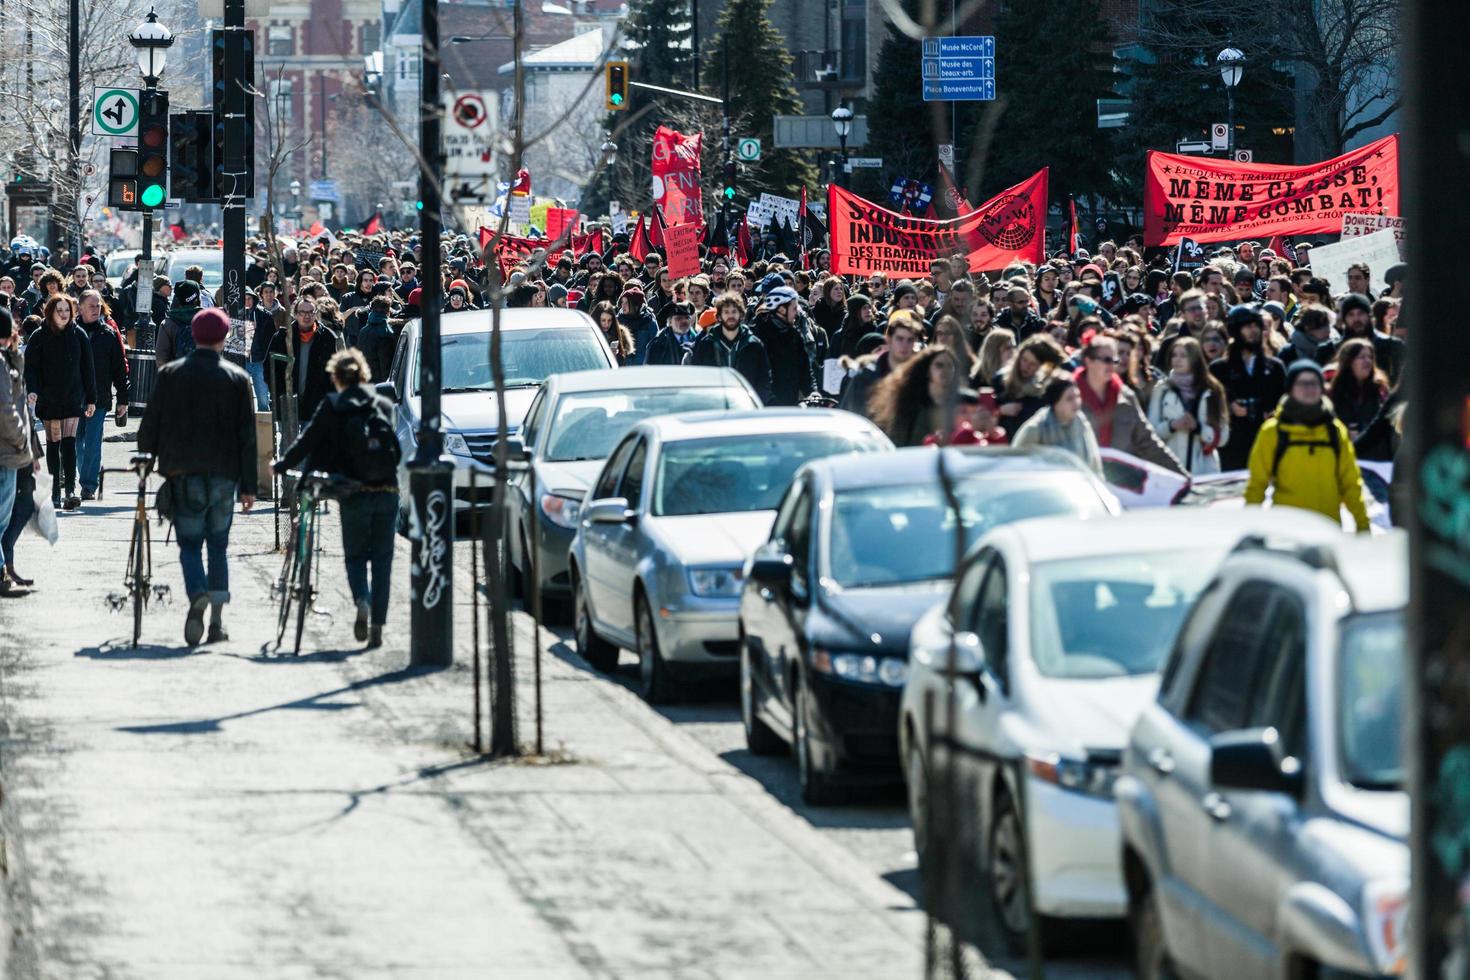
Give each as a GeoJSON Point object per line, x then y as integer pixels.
{"type": "Point", "coordinates": [1341, 54]}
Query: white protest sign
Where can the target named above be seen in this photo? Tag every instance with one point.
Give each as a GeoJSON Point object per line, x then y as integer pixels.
{"type": "Point", "coordinates": [1378, 250]}
{"type": "Point", "coordinates": [619, 217]}
{"type": "Point", "coordinates": [782, 209]}
{"type": "Point", "coordinates": [1359, 225]}
{"type": "Point", "coordinates": [238, 340]}
{"type": "Point", "coordinates": [833, 374]}
{"type": "Point", "coordinates": [144, 295]}
{"type": "Point", "coordinates": [520, 209]}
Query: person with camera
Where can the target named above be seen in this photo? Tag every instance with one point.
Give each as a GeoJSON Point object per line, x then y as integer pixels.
{"type": "Point", "coordinates": [1254, 383]}
{"type": "Point", "coordinates": [351, 437]}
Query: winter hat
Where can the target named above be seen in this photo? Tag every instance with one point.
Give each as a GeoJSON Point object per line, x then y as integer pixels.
{"type": "Point", "coordinates": [1396, 273]}
{"type": "Point", "coordinates": [209, 326]}
{"type": "Point", "coordinates": [681, 309]}
{"type": "Point", "coordinates": [1136, 302]}
{"type": "Point", "coordinates": [856, 302]}
{"type": "Point", "coordinates": [904, 288]}
{"type": "Point", "coordinates": [1240, 315]}
{"type": "Point", "coordinates": [707, 318]}
{"type": "Point", "coordinates": [1354, 301]}
{"type": "Point", "coordinates": [1095, 270]}
{"type": "Point", "coordinates": [633, 291]}
{"type": "Point", "coordinates": [1275, 309]}
{"type": "Point", "coordinates": [414, 295]}
{"type": "Point", "coordinates": [555, 291]}
{"type": "Point", "coordinates": [1299, 368]}
{"type": "Point", "coordinates": [869, 342]}
{"type": "Point", "coordinates": [186, 293]}
{"type": "Point", "coordinates": [770, 282]}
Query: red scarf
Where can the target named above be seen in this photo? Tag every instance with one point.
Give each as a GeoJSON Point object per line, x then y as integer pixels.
{"type": "Point", "coordinates": [1101, 409]}
{"type": "Point", "coordinates": [305, 336]}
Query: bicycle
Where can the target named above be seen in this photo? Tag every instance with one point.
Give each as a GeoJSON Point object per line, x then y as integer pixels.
{"type": "Point", "coordinates": [138, 580]}
{"type": "Point", "coordinates": [295, 588]}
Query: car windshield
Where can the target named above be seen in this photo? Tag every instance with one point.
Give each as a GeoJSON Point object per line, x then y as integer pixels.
{"type": "Point", "coordinates": [587, 425]}
{"type": "Point", "coordinates": [1112, 616]}
{"type": "Point", "coordinates": [892, 535]}
{"type": "Point", "coordinates": [118, 266]}
{"type": "Point", "coordinates": [1370, 700]}
{"type": "Point", "coordinates": [213, 264]}
{"type": "Point", "coordinates": [740, 473]}
{"type": "Point", "coordinates": [529, 356]}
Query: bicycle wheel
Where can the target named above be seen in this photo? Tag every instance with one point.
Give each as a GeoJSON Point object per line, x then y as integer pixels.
{"type": "Point", "coordinates": [285, 586]}
{"type": "Point", "coordinates": [304, 599]}
{"type": "Point", "coordinates": [138, 581]}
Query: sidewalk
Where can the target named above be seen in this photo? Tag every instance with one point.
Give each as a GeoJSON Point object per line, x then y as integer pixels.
{"type": "Point", "coordinates": [220, 813]}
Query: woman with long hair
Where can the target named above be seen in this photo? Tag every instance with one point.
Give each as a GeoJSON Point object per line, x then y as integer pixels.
{"type": "Point", "coordinates": [911, 403]}
{"type": "Point", "coordinates": [62, 386]}
{"type": "Point", "coordinates": [1019, 385]}
{"type": "Point", "coordinates": [605, 315]}
{"type": "Point", "coordinates": [1359, 388]}
{"type": "Point", "coordinates": [947, 333]}
{"type": "Point", "coordinates": [1048, 289]}
{"type": "Point", "coordinates": [1187, 409]}
{"type": "Point", "coordinates": [1062, 424]}
{"type": "Point", "coordinates": [996, 351]}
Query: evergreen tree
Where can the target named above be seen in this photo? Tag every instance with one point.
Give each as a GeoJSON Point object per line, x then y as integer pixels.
{"type": "Point", "coordinates": [761, 87]}
{"type": "Point", "coordinates": [1051, 79]}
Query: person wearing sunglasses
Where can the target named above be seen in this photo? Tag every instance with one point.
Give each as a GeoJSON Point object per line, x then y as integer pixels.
{"type": "Point", "coordinates": [1113, 409]}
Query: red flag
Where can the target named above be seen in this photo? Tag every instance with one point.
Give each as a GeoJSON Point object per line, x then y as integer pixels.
{"type": "Point", "coordinates": [1277, 245]}
{"type": "Point", "coordinates": [373, 225]}
{"type": "Point", "coordinates": [802, 239]}
{"type": "Point", "coordinates": [178, 231]}
{"type": "Point", "coordinates": [743, 248]}
{"type": "Point", "coordinates": [1074, 231]}
{"type": "Point", "coordinates": [1206, 199]}
{"type": "Point", "coordinates": [866, 238]}
{"type": "Point", "coordinates": [316, 229]}
{"type": "Point", "coordinates": [638, 247]}
{"type": "Point", "coordinates": [522, 184]}
{"type": "Point", "coordinates": [656, 229]}
{"type": "Point", "coordinates": [485, 235]}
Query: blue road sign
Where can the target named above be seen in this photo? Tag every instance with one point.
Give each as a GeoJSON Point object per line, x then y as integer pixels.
{"type": "Point", "coordinates": [958, 69]}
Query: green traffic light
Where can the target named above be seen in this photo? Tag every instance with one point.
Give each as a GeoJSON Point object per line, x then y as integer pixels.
{"type": "Point", "coordinates": [730, 193]}
{"type": "Point", "coordinates": [616, 98]}
{"type": "Point", "coordinates": [418, 205]}
{"type": "Point", "coordinates": [152, 195]}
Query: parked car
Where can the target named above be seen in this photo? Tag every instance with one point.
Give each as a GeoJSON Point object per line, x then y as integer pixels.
{"type": "Point", "coordinates": [861, 547]}
{"type": "Point", "coordinates": [1262, 798]}
{"type": "Point", "coordinates": [1057, 628]}
{"type": "Point", "coordinates": [211, 260]}
{"type": "Point", "coordinates": [118, 265]}
{"type": "Point", "coordinates": [573, 423]}
{"type": "Point", "coordinates": [659, 556]}
{"type": "Point", "coordinates": [536, 343]}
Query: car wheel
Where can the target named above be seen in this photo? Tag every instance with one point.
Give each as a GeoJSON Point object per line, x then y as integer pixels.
{"type": "Point", "coordinates": [918, 793]}
{"type": "Point", "coordinates": [816, 786]}
{"type": "Point", "coordinates": [759, 737]}
{"type": "Point", "coordinates": [1005, 859]}
{"type": "Point", "coordinates": [602, 655]}
{"type": "Point", "coordinates": [658, 681]}
{"type": "Point", "coordinates": [1150, 951]}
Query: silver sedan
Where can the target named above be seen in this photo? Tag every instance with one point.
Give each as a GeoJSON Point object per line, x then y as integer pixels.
{"type": "Point", "coordinates": [657, 561]}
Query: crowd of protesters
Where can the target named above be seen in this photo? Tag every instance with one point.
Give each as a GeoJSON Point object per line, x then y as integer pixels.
{"type": "Point", "coordinates": [1248, 362]}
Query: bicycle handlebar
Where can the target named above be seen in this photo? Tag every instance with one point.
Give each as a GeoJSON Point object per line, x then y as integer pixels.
{"type": "Point", "coordinates": [320, 480]}
{"type": "Point", "coordinates": [140, 465]}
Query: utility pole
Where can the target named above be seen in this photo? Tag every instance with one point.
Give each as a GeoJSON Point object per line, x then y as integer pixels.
{"type": "Point", "coordinates": [1436, 463]}
{"type": "Point", "coordinates": [233, 193]}
{"type": "Point", "coordinates": [430, 480]}
{"type": "Point", "coordinates": [725, 135]}
{"type": "Point", "coordinates": [74, 132]}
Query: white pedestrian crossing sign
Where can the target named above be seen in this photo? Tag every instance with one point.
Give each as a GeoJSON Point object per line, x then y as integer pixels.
{"type": "Point", "coordinates": [115, 111]}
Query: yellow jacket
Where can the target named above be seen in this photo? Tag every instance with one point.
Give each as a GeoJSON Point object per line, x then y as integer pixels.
{"type": "Point", "coordinates": [1310, 476]}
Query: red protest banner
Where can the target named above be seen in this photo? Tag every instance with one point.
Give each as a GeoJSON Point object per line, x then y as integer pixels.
{"type": "Point", "coordinates": [1216, 200]}
{"type": "Point", "coordinates": [682, 244]}
{"type": "Point", "coordinates": [676, 176]}
{"type": "Point", "coordinates": [866, 238]}
{"type": "Point", "coordinates": [557, 220]}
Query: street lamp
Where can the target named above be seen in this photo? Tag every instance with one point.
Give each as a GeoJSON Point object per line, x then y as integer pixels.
{"type": "Point", "coordinates": [1231, 62]}
{"type": "Point", "coordinates": [152, 41]}
{"type": "Point", "coordinates": [609, 152]}
{"type": "Point", "coordinates": [842, 122]}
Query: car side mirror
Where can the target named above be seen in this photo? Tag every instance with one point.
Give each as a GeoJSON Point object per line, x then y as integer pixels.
{"type": "Point", "coordinates": [387, 389]}
{"type": "Point", "coordinates": [771, 569]}
{"type": "Point", "coordinates": [610, 510]}
{"type": "Point", "coordinates": [1253, 759]}
{"type": "Point", "coordinates": [516, 450]}
{"type": "Point", "coordinates": [969, 655]}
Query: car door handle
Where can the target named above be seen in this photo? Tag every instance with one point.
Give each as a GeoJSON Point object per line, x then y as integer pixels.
{"type": "Point", "coordinates": [1216, 806]}
{"type": "Point", "coordinates": [1161, 761]}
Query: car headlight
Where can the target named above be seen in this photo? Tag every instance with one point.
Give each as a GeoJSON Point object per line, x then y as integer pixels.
{"type": "Point", "coordinates": [712, 583]}
{"type": "Point", "coordinates": [1088, 778]}
{"type": "Point", "coordinates": [561, 509]}
{"type": "Point", "coordinates": [1386, 922]}
{"type": "Point", "coordinates": [454, 443]}
{"type": "Point", "coordinates": [864, 668]}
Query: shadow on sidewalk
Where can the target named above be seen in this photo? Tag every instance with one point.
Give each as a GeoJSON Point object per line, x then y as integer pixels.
{"type": "Point", "coordinates": [121, 650]}
{"type": "Point", "coordinates": [314, 702]}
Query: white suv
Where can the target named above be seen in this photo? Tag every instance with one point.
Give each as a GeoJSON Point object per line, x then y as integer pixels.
{"type": "Point", "coordinates": [1262, 795]}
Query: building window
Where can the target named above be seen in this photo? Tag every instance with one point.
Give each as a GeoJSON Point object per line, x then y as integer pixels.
{"type": "Point", "coordinates": [278, 41]}
{"type": "Point", "coordinates": [283, 93]}
{"type": "Point", "coordinates": [369, 36]}
{"type": "Point", "coordinates": [854, 63]}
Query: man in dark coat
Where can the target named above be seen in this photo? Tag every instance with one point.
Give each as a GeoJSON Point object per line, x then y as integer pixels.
{"type": "Point", "coordinates": [1254, 382]}
{"type": "Point", "coordinates": [674, 342]}
{"type": "Point", "coordinates": [779, 326]}
{"type": "Point", "coordinates": [200, 426]}
{"type": "Point", "coordinates": [732, 344]}
{"type": "Point", "coordinates": [315, 346]}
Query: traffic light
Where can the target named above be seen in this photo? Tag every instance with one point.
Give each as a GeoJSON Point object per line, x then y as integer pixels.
{"type": "Point", "coordinates": [191, 155]}
{"type": "Point", "coordinates": [122, 180]}
{"type": "Point", "coordinates": [617, 85]}
{"type": "Point", "coordinates": [245, 188]}
{"type": "Point", "coordinates": [153, 149]}
{"type": "Point", "coordinates": [728, 191]}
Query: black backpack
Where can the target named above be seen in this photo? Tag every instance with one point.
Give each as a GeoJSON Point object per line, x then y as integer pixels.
{"type": "Point", "coordinates": [370, 450]}
{"type": "Point", "coordinates": [1284, 442]}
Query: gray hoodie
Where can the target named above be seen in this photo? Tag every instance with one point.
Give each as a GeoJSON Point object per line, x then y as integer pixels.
{"type": "Point", "coordinates": [15, 416]}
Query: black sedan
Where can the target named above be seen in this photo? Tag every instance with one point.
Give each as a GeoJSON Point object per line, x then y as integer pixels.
{"type": "Point", "coordinates": [861, 547]}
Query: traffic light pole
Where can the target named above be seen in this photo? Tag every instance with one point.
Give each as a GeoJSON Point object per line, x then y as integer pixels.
{"type": "Point", "coordinates": [430, 480]}
{"type": "Point", "coordinates": [232, 195]}
{"type": "Point", "coordinates": [725, 137]}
